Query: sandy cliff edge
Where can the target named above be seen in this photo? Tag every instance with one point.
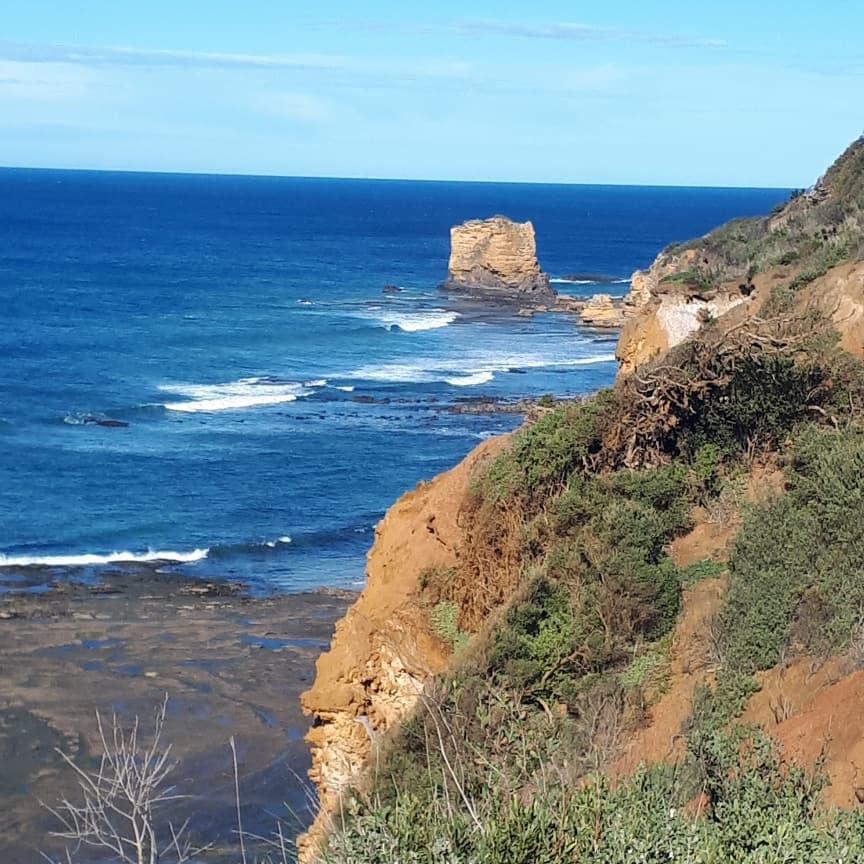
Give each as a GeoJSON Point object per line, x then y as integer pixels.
{"type": "Point", "coordinates": [383, 652]}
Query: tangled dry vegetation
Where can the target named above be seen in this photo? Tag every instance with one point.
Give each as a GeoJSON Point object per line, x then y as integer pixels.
{"type": "Point", "coordinates": [565, 579]}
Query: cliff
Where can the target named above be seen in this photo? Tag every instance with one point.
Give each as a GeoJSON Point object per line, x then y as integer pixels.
{"type": "Point", "coordinates": [659, 580]}
{"type": "Point", "coordinates": [383, 651]}
{"type": "Point", "coordinates": [497, 259]}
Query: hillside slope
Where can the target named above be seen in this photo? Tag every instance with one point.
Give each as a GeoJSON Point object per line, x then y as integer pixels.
{"type": "Point", "coordinates": [627, 581]}
{"type": "Point", "coordinates": [750, 262]}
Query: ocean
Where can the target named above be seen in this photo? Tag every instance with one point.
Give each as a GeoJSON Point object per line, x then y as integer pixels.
{"type": "Point", "coordinates": [274, 399]}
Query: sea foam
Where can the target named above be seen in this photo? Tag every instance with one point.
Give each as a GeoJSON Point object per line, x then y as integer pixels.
{"type": "Point", "coordinates": [93, 560]}
{"type": "Point", "coordinates": [235, 395]}
{"type": "Point", "coordinates": [483, 377]}
{"type": "Point", "coordinates": [470, 372]}
{"type": "Point", "coordinates": [413, 322]}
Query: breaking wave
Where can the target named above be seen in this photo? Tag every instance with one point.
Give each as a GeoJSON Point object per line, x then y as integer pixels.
{"type": "Point", "coordinates": [236, 395]}
{"type": "Point", "coordinates": [454, 374]}
{"type": "Point", "coordinates": [94, 560]}
{"type": "Point", "coordinates": [471, 380]}
{"type": "Point", "coordinates": [414, 322]}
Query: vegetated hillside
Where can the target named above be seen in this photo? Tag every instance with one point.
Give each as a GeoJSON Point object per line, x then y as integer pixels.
{"type": "Point", "coordinates": [564, 606]}
{"type": "Point", "coordinates": [815, 230]}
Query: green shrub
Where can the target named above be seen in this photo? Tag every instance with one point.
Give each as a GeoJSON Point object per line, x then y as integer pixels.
{"type": "Point", "coordinates": [767, 396]}
{"type": "Point", "coordinates": [543, 455]}
{"type": "Point", "coordinates": [444, 620]}
{"type": "Point", "coordinates": [715, 707]}
{"type": "Point", "coordinates": [797, 561]}
{"type": "Point", "coordinates": [699, 570]}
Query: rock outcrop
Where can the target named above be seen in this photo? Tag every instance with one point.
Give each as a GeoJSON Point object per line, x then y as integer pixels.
{"type": "Point", "coordinates": [497, 259]}
{"type": "Point", "coordinates": [600, 311]}
{"type": "Point", "coordinates": [383, 650]}
{"type": "Point", "coordinates": [667, 320]}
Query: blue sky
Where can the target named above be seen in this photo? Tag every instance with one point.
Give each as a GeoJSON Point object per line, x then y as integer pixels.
{"type": "Point", "coordinates": [729, 93]}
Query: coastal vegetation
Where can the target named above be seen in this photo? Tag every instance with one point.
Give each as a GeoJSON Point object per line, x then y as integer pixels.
{"type": "Point", "coordinates": [567, 582]}
{"type": "Point", "coordinates": [563, 607]}
{"type": "Point", "coordinates": [814, 231]}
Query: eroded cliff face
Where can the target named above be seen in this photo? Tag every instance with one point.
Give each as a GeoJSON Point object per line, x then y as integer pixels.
{"type": "Point", "coordinates": [664, 316]}
{"type": "Point", "coordinates": [383, 651]}
{"type": "Point", "coordinates": [660, 313]}
{"type": "Point", "coordinates": [497, 258]}
{"type": "Point", "coordinates": [839, 296]}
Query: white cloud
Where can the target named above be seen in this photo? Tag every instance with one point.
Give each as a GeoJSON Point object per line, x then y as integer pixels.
{"type": "Point", "coordinates": [126, 56]}
{"type": "Point", "coordinates": [42, 82]}
{"type": "Point", "coordinates": [582, 33]}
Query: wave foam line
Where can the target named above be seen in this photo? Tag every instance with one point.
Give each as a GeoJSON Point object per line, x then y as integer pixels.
{"type": "Point", "coordinates": [232, 403]}
{"type": "Point", "coordinates": [481, 373]}
{"type": "Point", "coordinates": [235, 395]}
{"type": "Point", "coordinates": [483, 377]}
{"type": "Point", "coordinates": [279, 541]}
{"type": "Point", "coordinates": [415, 322]}
{"type": "Point", "coordinates": [91, 560]}
{"type": "Point", "coordinates": [561, 281]}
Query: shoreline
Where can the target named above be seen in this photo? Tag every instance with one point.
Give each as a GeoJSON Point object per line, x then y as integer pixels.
{"type": "Point", "coordinates": [231, 664]}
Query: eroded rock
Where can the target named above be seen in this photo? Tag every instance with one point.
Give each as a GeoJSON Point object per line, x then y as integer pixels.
{"type": "Point", "coordinates": [600, 311]}
{"type": "Point", "coordinates": [497, 258]}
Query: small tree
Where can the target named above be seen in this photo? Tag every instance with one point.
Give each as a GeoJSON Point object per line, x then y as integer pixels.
{"type": "Point", "coordinates": [120, 799]}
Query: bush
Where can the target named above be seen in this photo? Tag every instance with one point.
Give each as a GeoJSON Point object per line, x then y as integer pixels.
{"type": "Point", "coordinates": [444, 619]}
{"type": "Point", "coordinates": [699, 570]}
{"type": "Point", "coordinates": [543, 455]}
{"type": "Point", "coordinates": [796, 564]}
{"type": "Point", "coordinates": [756, 810]}
{"type": "Point", "coordinates": [767, 396]}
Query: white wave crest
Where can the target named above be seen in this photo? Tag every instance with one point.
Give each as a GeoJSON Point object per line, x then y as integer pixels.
{"type": "Point", "coordinates": [562, 281]}
{"type": "Point", "coordinates": [91, 560]}
{"type": "Point", "coordinates": [414, 322]}
{"type": "Point", "coordinates": [471, 380]}
{"type": "Point", "coordinates": [470, 372]}
{"type": "Point", "coordinates": [589, 361]}
{"type": "Point", "coordinates": [234, 395]}
{"type": "Point", "coordinates": [279, 541]}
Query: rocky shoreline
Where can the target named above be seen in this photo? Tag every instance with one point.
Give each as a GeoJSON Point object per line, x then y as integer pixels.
{"type": "Point", "coordinates": [230, 664]}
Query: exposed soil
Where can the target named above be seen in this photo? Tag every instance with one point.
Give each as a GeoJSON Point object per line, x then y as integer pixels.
{"type": "Point", "coordinates": [691, 656]}
{"type": "Point", "coordinates": [230, 664]}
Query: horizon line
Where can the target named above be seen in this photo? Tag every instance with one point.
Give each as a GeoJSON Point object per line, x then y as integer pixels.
{"type": "Point", "coordinates": [274, 176]}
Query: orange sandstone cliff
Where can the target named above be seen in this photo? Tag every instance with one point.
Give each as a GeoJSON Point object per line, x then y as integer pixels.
{"type": "Point", "coordinates": [383, 651]}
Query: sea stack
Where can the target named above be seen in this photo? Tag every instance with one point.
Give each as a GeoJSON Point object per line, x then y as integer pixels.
{"type": "Point", "coordinates": [497, 259]}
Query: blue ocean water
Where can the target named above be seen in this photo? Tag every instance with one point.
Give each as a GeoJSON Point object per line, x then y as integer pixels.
{"type": "Point", "coordinates": [277, 400]}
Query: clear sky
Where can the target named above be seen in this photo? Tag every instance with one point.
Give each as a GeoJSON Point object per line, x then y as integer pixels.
{"type": "Point", "coordinates": [736, 92]}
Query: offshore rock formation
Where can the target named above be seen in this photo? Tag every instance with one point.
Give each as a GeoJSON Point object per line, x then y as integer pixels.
{"type": "Point", "coordinates": [600, 311]}
{"type": "Point", "coordinates": [383, 651]}
{"type": "Point", "coordinates": [497, 259]}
